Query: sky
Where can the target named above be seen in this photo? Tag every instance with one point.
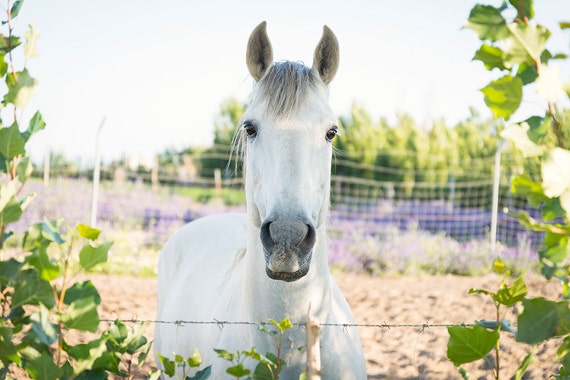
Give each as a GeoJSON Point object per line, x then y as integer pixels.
{"type": "Point", "coordinates": [158, 71]}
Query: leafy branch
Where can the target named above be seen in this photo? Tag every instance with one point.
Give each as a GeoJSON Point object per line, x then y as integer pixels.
{"type": "Point", "coordinates": [518, 50]}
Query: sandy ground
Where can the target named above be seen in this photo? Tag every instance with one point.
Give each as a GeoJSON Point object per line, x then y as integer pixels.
{"type": "Point", "coordinates": [417, 352]}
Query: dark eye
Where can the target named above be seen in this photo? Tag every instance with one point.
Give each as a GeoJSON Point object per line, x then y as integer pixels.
{"type": "Point", "coordinates": [331, 134]}
{"type": "Point", "coordinates": [249, 129]}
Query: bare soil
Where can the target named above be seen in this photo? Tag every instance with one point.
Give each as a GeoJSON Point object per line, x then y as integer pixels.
{"type": "Point", "coordinates": [392, 351]}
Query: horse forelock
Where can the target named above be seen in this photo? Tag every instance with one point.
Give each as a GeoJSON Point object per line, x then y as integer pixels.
{"type": "Point", "coordinates": [285, 87]}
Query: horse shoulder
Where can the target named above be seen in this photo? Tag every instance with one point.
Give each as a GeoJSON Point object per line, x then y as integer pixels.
{"type": "Point", "coordinates": [201, 250]}
{"type": "Point", "coordinates": [204, 239]}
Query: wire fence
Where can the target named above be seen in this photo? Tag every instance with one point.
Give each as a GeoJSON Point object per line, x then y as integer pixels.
{"type": "Point", "coordinates": [222, 324]}
{"type": "Point", "coordinates": [457, 200]}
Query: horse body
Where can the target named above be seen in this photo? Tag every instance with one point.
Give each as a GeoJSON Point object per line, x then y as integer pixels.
{"type": "Point", "coordinates": [271, 262]}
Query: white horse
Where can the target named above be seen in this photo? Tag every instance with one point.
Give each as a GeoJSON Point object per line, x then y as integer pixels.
{"type": "Point", "coordinates": [271, 262]}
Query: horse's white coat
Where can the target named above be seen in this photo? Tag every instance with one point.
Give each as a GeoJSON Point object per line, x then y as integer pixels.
{"type": "Point", "coordinates": [215, 269]}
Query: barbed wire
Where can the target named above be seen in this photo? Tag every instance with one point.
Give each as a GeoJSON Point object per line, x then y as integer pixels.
{"type": "Point", "coordinates": [221, 324]}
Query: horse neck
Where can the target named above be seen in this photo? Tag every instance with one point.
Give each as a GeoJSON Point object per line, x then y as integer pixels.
{"type": "Point", "coordinates": [278, 299]}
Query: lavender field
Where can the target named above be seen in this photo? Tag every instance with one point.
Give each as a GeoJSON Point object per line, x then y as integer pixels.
{"type": "Point", "coordinates": [139, 220]}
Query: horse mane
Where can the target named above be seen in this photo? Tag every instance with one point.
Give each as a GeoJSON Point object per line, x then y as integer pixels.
{"type": "Point", "coordinates": [285, 87]}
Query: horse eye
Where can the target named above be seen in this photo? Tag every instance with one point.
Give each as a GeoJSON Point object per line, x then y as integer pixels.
{"type": "Point", "coordinates": [250, 130]}
{"type": "Point", "coordinates": [331, 134]}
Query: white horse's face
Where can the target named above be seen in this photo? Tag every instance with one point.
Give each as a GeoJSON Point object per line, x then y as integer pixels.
{"type": "Point", "coordinates": [288, 181]}
{"type": "Point", "coordinates": [289, 127]}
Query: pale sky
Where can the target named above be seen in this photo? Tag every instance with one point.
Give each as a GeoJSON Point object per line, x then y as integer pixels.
{"type": "Point", "coordinates": [159, 70]}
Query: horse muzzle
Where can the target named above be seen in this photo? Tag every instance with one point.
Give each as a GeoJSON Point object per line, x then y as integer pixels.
{"type": "Point", "coordinates": [288, 246]}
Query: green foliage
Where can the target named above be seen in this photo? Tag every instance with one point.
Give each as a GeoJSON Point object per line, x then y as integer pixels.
{"type": "Point", "coordinates": [268, 366]}
{"type": "Point", "coordinates": [468, 344]}
{"type": "Point", "coordinates": [39, 304]}
{"type": "Point", "coordinates": [517, 49]}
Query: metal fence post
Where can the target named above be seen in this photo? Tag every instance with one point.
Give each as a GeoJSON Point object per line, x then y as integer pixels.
{"type": "Point", "coordinates": [96, 176]}
{"type": "Point", "coordinates": [495, 200]}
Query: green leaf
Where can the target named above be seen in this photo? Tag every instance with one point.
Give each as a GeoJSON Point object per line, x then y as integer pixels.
{"type": "Point", "coordinates": [524, 8]}
{"type": "Point", "coordinates": [81, 315]}
{"type": "Point", "coordinates": [503, 96]}
{"type": "Point", "coordinates": [3, 64]}
{"type": "Point", "coordinates": [91, 256]}
{"type": "Point", "coordinates": [8, 350]}
{"type": "Point", "coordinates": [469, 344]}
{"type": "Point", "coordinates": [9, 270]}
{"type": "Point", "coordinates": [564, 25]}
{"type": "Point", "coordinates": [527, 73]}
{"type": "Point", "coordinates": [487, 22]}
{"type": "Point", "coordinates": [11, 212]}
{"type": "Point", "coordinates": [510, 295]}
{"type": "Point", "coordinates": [31, 35]}
{"type": "Point", "coordinates": [40, 260]}
{"type": "Point", "coordinates": [263, 372]}
{"type": "Point", "coordinates": [499, 266]}
{"type": "Point", "coordinates": [21, 90]}
{"type": "Point", "coordinates": [50, 231]}
{"type": "Point", "coordinates": [195, 360]}
{"type": "Point", "coordinates": [36, 124]}
{"type": "Point", "coordinates": [563, 352]}
{"type": "Point", "coordinates": [81, 290]}
{"type": "Point", "coordinates": [88, 232]}
{"type": "Point", "coordinates": [527, 361]}
{"type": "Point", "coordinates": [480, 291]}
{"type": "Point", "coordinates": [526, 43]}
{"type": "Point", "coordinates": [202, 374]}
{"type": "Point", "coordinates": [30, 289]}
{"type": "Point", "coordinates": [238, 370]}
{"type": "Point", "coordinates": [44, 330]}
{"type": "Point", "coordinates": [532, 190]}
{"type": "Point", "coordinates": [491, 56]}
{"type": "Point", "coordinates": [556, 253]}
{"type": "Point", "coordinates": [539, 127]}
{"type": "Point", "coordinates": [538, 321]}
{"type": "Point", "coordinates": [93, 356]}
{"type": "Point", "coordinates": [7, 45]}
{"type": "Point", "coordinates": [168, 365]}
{"type": "Point", "coordinates": [564, 319]}
{"type": "Point", "coordinates": [16, 7]}
{"type": "Point", "coordinates": [34, 238]}
{"type": "Point", "coordinates": [11, 142]}
{"type": "Point", "coordinates": [284, 325]}
{"type": "Point", "coordinates": [224, 354]}
{"type": "Point", "coordinates": [43, 367]}
{"type": "Point", "coordinates": [130, 340]}
{"type": "Point", "coordinates": [24, 169]}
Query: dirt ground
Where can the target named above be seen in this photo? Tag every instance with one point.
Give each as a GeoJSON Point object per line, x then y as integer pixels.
{"type": "Point", "coordinates": [417, 352]}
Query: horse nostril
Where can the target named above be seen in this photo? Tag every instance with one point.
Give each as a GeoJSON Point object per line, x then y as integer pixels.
{"type": "Point", "coordinates": [265, 235]}
{"type": "Point", "coordinates": [308, 241]}
{"type": "Point", "coordinates": [288, 233]}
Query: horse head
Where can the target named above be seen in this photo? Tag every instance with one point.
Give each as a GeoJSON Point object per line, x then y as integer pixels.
{"type": "Point", "coordinates": [288, 130]}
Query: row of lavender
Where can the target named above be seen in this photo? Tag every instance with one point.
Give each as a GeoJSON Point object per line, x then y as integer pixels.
{"type": "Point", "coordinates": [403, 239]}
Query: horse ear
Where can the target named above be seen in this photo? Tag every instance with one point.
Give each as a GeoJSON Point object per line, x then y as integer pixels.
{"type": "Point", "coordinates": [326, 57]}
{"type": "Point", "coordinates": [259, 54]}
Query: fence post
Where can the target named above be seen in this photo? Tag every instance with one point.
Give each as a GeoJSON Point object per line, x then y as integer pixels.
{"type": "Point", "coordinates": [96, 176]}
{"type": "Point", "coordinates": [218, 182]}
{"type": "Point", "coordinates": [495, 201]}
{"type": "Point", "coordinates": [154, 174]}
{"type": "Point", "coordinates": [313, 349]}
{"type": "Point", "coordinates": [47, 163]}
